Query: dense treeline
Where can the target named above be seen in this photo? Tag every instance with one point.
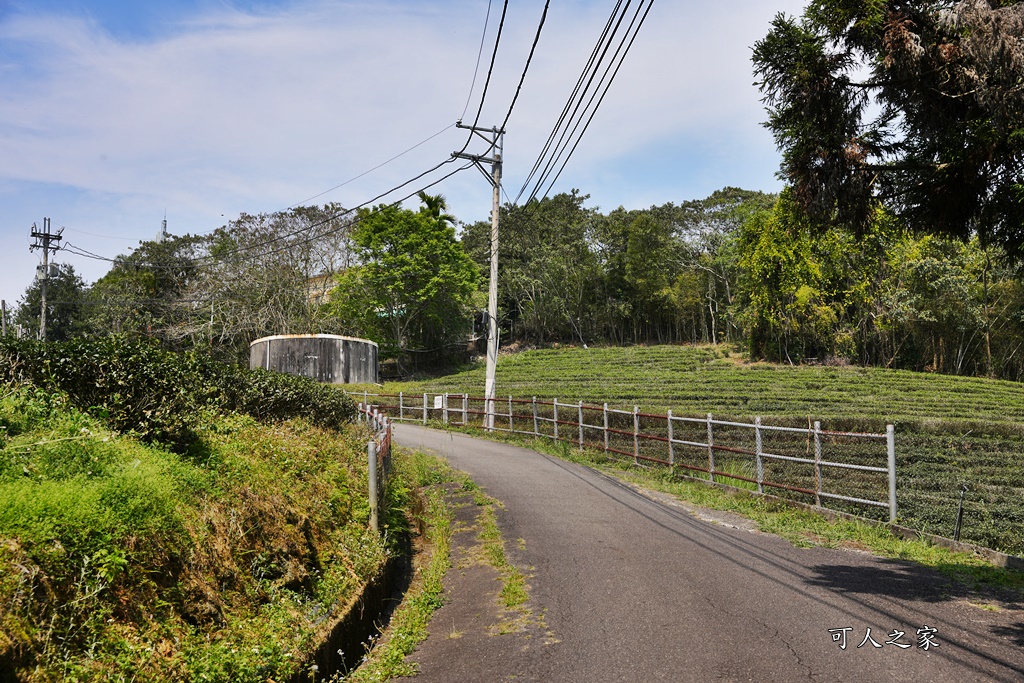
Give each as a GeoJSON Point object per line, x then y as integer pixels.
{"type": "Point", "coordinates": [257, 275]}
{"type": "Point", "coordinates": [737, 267]}
{"type": "Point", "coordinates": [749, 268]}
{"type": "Point", "coordinates": [397, 276]}
{"type": "Point", "coordinates": [664, 274]}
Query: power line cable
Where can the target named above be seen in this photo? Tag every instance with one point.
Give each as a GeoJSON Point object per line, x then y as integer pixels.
{"type": "Point", "coordinates": [490, 71]}
{"type": "Point", "coordinates": [469, 97]}
{"type": "Point", "coordinates": [572, 98]}
{"type": "Point", "coordinates": [605, 92]}
{"type": "Point", "coordinates": [483, 97]}
{"type": "Point", "coordinates": [479, 54]}
{"type": "Point", "coordinates": [278, 238]}
{"type": "Point", "coordinates": [79, 251]}
{"type": "Point", "coordinates": [358, 219]}
{"type": "Point", "coordinates": [469, 137]}
{"type": "Point", "coordinates": [529, 58]}
{"type": "Point", "coordinates": [380, 165]}
{"type": "Point", "coordinates": [579, 110]}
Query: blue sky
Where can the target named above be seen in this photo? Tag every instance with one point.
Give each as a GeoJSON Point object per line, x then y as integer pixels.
{"type": "Point", "coordinates": [115, 112]}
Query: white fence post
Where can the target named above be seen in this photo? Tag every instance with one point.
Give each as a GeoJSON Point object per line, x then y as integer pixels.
{"type": "Point", "coordinates": [535, 432]}
{"type": "Point", "coordinates": [401, 405]}
{"type": "Point", "coordinates": [424, 409]}
{"type": "Point", "coordinates": [890, 442]}
{"type": "Point", "coordinates": [758, 450]}
{"type": "Point", "coordinates": [817, 464]}
{"type": "Point", "coordinates": [556, 419]}
{"type": "Point", "coordinates": [605, 427]}
{"type": "Point", "coordinates": [711, 450]}
{"type": "Point", "coordinates": [465, 410]}
{"type": "Point", "coordinates": [671, 445]}
{"type": "Point", "coordinates": [371, 458]}
{"type": "Point", "coordinates": [511, 427]}
{"type": "Point", "coordinates": [581, 424]}
{"type": "Point", "coordinates": [636, 435]}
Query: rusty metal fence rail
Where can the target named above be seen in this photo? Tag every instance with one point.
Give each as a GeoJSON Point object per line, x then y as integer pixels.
{"type": "Point", "coordinates": [810, 464]}
{"type": "Point", "coordinates": [378, 457]}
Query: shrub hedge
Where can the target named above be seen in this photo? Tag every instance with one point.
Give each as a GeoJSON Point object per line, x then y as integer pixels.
{"type": "Point", "coordinates": [161, 396]}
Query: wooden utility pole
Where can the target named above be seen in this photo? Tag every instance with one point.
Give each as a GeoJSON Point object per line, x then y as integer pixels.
{"type": "Point", "coordinates": [495, 141]}
{"type": "Point", "coordinates": [43, 239]}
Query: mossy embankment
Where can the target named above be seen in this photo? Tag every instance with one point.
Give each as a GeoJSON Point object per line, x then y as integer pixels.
{"type": "Point", "coordinates": [164, 519]}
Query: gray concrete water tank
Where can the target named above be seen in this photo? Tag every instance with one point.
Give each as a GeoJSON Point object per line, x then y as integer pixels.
{"type": "Point", "coordinates": [327, 358]}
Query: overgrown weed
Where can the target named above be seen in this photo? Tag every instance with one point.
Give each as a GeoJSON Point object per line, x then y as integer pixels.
{"type": "Point", "coordinates": [123, 560]}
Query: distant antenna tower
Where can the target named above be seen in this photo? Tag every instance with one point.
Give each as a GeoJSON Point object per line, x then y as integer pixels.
{"type": "Point", "coordinates": [162, 235]}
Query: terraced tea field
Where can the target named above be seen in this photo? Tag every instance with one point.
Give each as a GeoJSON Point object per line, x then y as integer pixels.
{"type": "Point", "coordinates": [949, 430]}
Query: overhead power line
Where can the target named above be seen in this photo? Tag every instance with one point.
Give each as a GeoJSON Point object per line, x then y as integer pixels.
{"type": "Point", "coordinates": [368, 172]}
{"type": "Point", "coordinates": [587, 69]}
{"type": "Point", "coordinates": [479, 54]}
{"type": "Point", "coordinates": [593, 111]}
{"type": "Point", "coordinates": [469, 97]}
{"type": "Point", "coordinates": [483, 97]}
{"type": "Point", "coordinates": [529, 59]}
{"type": "Point", "coordinates": [309, 229]}
{"type": "Point", "coordinates": [586, 97]}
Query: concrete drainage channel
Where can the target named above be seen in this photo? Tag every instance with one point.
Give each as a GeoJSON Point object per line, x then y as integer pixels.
{"type": "Point", "coordinates": [352, 634]}
{"type": "Point", "coordinates": [346, 644]}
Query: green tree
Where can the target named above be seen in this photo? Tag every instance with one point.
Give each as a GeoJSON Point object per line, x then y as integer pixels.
{"type": "Point", "coordinates": [945, 151]}
{"type": "Point", "coordinates": [546, 268]}
{"type": "Point", "coordinates": [708, 230]}
{"type": "Point", "coordinates": [410, 286]}
{"type": "Point", "coordinates": [140, 295]}
{"type": "Point", "coordinates": [782, 284]}
{"type": "Point", "coordinates": [65, 305]}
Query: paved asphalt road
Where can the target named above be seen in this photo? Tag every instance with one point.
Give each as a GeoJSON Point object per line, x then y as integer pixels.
{"type": "Point", "coordinates": [637, 589]}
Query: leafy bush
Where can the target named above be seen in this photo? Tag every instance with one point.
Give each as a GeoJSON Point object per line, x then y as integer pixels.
{"type": "Point", "coordinates": [161, 396]}
{"type": "Point", "coordinates": [270, 396]}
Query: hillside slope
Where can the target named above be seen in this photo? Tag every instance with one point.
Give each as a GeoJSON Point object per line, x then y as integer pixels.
{"type": "Point", "coordinates": [122, 561]}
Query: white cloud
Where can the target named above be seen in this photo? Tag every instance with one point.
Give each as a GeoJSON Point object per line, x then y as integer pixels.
{"type": "Point", "coordinates": [230, 112]}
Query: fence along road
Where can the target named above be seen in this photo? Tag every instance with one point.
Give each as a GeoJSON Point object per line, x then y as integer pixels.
{"type": "Point", "coordinates": [804, 463]}
{"type": "Point", "coordinates": [636, 589]}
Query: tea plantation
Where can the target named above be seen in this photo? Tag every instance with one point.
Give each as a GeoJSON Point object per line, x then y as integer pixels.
{"type": "Point", "coordinates": [950, 431]}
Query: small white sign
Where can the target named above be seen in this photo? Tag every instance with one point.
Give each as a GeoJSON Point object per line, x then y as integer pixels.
{"type": "Point", "coordinates": [438, 402]}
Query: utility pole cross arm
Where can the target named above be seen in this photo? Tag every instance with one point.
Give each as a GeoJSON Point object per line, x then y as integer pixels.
{"type": "Point", "coordinates": [43, 239]}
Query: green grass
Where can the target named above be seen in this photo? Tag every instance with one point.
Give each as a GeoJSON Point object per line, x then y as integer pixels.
{"type": "Point", "coordinates": [949, 430]}
{"type": "Point", "coordinates": [513, 582]}
{"type": "Point", "coordinates": [408, 626]}
{"type": "Point", "coordinates": [124, 561]}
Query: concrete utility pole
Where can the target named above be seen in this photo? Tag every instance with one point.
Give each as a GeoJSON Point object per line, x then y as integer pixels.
{"type": "Point", "coordinates": [495, 146]}
{"type": "Point", "coordinates": [3, 316]}
{"type": "Point", "coordinates": [42, 241]}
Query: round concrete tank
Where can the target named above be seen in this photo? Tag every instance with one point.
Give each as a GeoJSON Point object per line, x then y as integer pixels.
{"type": "Point", "coordinates": [326, 358]}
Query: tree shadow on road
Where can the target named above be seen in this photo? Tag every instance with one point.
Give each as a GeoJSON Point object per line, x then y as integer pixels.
{"type": "Point", "coordinates": [910, 581]}
{"type": "Point", "coordinates": [897, 579]}
{"type": "Point", "coordinates": [1013, 632]}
